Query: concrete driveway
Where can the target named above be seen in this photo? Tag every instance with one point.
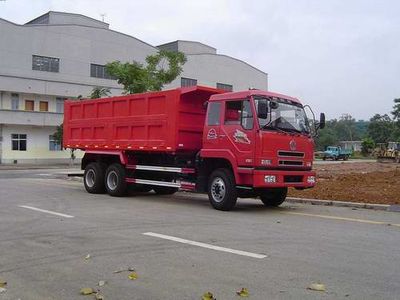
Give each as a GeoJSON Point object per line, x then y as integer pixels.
{"type": "Point", "coordinates": [181, 248]}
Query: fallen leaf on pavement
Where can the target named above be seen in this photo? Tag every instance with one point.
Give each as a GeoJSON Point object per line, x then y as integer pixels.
{"type": "Point", "coordinates": [102, 282]}
{"type": "Point", "coordinates": [208, 296]}
{"type": "Point", "coordinates": [3, 283]}
{"type": "Point", "coordinates": [98, 297]}
{"type": "Point", "coordinates": [87, 291]}
{"type": "Point", "coordinates": [88, 256]}
{"type": "Point", "coordinates": [317, 287]}
{"type": "Point", "coordinates": [133, 276]}
{"type": "Point", "coordinates": [243, 292]}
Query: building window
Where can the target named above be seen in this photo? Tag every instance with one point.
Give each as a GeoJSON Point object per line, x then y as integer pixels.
{"type": "Point", "coordinates": [185, 82]}
{"type": "Point", "coordinates": [43, 106]}
{"type": "Point", "coordinates": [29, 105]}
{"type": "Point", "coordinates": [54, 145]}
{"type": "Point", "coordinates": [44, 63]}
{"type": "Point", "coordinates": [60, 104]}
{"type": "Point", "coordinates": [18, 142]}
{"type": "Point", "coordinates": [99, 71]}
{"type": "Point", "coordinates": [225, 87]}
{"type": "Point", "coordinates": [14, 101]}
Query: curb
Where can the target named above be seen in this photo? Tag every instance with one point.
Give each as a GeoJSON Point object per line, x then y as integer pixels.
{"type": "Point", "coordinates": [385, 207]}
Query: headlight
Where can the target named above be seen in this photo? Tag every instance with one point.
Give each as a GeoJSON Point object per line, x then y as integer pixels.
{"type": "Point", "coordinates": [270, 179]}
{"type": "Point", "coordinates": [311, 179]}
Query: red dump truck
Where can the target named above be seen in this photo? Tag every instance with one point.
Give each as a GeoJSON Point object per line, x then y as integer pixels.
{"type": "Point", "coordinates": [228, 144]}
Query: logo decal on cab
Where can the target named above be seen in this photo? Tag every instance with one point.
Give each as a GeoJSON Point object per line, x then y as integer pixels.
{"type": "Point", "coordinates": [241, 137]}
{"type": "Point", "coordinates": [212, 134]}
{"type": "Point", "coordinates": [292, 145]}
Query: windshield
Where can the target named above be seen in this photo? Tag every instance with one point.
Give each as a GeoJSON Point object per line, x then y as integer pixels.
{"type": "Point", "coordinates": [283, 115]}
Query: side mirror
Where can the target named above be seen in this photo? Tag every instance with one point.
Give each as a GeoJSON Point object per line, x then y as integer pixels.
{"type": "Point", "coordinates": [321, 120]}
{"type": "Point", "coordinates": [273, 105]}
{"type": "Point", "coordinates": [262, 109]}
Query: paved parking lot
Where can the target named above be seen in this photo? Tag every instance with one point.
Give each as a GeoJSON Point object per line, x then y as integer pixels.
{"type": "Point", "coordinates": [181, 248]}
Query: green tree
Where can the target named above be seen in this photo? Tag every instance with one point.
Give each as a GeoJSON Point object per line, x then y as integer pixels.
{"type": "Point", "coordinates": [346, 129]}
{"type": "Point", "coordinates": [396, 118]}
{"type": "Point", "coordinates": [367, 146]}
{"type": "Point", "coordinates": [161, 68]}
{"type": "Point", "coordinates": [380, 128]}
{"type": "Point", "coordinates": [327, 136]}
{"type": "Point", "coordinates": [99, 92]}
{"type": "Point", "coordinates": [396, 110]}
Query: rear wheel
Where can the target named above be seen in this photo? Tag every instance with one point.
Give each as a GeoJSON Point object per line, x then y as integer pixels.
{"type": "Point", "coordinates": [164, 190]}
{"type": "Point", "coordinates": [115, 180]}
{"type": "Point", "coordinates": [93, 178]}
{"type": "Point", "coordinates": [273, 197]}
{"type": "Point", "coordinates": [222, 190]}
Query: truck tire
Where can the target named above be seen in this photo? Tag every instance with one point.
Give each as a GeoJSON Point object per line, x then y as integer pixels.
{"type": "Point", "coordinates": [93, 178]}
{"type": "Point", "coordinates": [273, 197]}
{"type": "Point", "coordinates": [115, 180]}
{"type": "Point", "coordinates": [222, 189]}
{"type": "Point", "coordinates": [165, 190]}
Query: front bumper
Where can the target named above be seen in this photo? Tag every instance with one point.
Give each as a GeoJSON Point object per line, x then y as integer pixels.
{"type": "Point", "coordinates": [283, 178]}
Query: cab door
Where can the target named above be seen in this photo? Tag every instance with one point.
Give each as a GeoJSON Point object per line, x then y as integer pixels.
{"type": "Point", "coordinates": [237, 132]}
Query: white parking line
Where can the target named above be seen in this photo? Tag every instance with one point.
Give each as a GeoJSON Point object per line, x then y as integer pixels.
{"type": "Point", "coordinates": [46, 211]}
{"type": "Point", "coordinates": [208, 246]}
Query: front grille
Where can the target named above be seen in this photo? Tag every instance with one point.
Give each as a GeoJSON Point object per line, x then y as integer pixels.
{"type": "Point", "coordinates": [290, 163]}
{"type": "Point", "coordinates": [290, 153]}
{"type": "Point", "coordinates": [293, 178]}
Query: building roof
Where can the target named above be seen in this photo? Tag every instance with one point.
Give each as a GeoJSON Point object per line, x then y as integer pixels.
{"type": "Point", "coordinates": [188, 47]}
{"type": "Point", "coordinates": [64, 18]}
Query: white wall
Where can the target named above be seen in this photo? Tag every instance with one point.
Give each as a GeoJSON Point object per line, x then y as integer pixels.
{"type": "Point", "coordinates": [209, 69]}
{"type": "Point", "coordinates": [37, 146]}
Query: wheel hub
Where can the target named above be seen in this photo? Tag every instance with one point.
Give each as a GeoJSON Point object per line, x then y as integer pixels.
{"type": "Point", "coordinates": [90, 178]}
{"type": "Point", "coordinates": [112, 180]}
{"type": "Point", "coordinates": [218, 190]}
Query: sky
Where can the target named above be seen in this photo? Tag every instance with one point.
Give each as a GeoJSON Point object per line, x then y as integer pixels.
{"type": "Point", "coordinates": [339, 56]}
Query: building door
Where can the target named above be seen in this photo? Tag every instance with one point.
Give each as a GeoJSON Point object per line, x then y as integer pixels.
{"type": "Point", "coordinates": [29, 105]}
{"type": "Point", "coordinates": [43, 106]}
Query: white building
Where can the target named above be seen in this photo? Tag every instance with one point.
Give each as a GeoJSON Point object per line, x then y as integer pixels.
{"type": "Point", "coordinates": [62, 55]}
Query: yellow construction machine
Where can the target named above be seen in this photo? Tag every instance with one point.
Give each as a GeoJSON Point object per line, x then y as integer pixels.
{"type": "Point", "coordinates": [387, 152]}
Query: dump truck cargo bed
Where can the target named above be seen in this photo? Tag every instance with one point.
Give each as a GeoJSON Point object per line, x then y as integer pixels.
{"type": "Point", "coordinates": [168, 121]}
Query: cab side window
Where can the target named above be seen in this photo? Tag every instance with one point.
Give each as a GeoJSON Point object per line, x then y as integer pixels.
{"type": "Point", "coordinates": [239, 113]}
{"type": "Point", "coordinates": [214, 112]}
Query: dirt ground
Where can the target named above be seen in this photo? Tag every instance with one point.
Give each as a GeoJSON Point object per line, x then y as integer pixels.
{"type": "Point", "coordinates": [368, 182]}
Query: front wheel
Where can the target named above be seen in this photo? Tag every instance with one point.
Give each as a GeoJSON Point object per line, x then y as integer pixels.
{"type": "Point", "coordinates": [222, 190]}
{"type": "Point", "coordinates": [115, 180]}
{"type": "Point", "coordinates": [274, 196]}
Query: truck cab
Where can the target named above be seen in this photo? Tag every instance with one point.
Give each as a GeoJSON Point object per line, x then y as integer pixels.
{"type": "Point", "coordinates": [265, 138]}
